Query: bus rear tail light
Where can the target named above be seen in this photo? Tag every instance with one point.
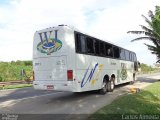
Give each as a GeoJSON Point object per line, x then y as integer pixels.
{"type": "Point", "coordinates": [70, 75]}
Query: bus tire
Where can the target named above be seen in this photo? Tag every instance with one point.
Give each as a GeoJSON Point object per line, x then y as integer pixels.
{"type": "Point", "coordinates": [110, 85]}
{"type": "Point", "coordinates": [104, 88]}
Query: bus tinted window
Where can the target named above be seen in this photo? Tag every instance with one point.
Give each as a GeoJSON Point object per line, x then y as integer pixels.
{"type": "Point", "coordinates": [116, 52]}
{"type": "Point", "coordinates": [89, 45]}
{"type": "Point", "coordinates": [122, 54]}
{"type": "Point", "coordinates": [83, 43]}
{"type": "Point", "coordinates": [109, 50]}
{"type": "Point", "coordinates": [90, 48]}
{"type": "Point", "coordinates": [127, 54]}
{"type": "Point", "coordinates": [80, 43]}
{"type": "Point", "coordinates": [102, 49]}
{"type": "Point", "coordinates": [130, 56]}
{"type": "Point", "coordinates": [134, 58]}
{"type": "Point", "coordinates": [96, 45]}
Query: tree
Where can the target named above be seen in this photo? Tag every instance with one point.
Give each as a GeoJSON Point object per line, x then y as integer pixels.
{"type": "Point", "coordinates": [152, 32]}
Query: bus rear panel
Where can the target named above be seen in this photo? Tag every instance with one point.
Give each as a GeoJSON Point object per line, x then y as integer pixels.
{"type": "Point", "coordinates": [50, 60]}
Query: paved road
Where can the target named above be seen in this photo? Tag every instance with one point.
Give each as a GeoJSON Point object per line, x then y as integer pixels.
{"type": "Point", "coordinates": [29, 101]}
{"type": "Point", "coordinates": [22, 93]}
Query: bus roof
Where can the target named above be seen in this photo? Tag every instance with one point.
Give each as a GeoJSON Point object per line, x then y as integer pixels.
{"type": "Point", "coordinates": [77, 30]}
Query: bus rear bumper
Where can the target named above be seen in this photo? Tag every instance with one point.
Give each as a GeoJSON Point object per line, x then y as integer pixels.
{"type": "Point", "coordinates": [51, 85]}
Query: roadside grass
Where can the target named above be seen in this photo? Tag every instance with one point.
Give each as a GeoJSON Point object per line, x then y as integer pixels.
{"type": "Point", "coordinates": [146, 102]}
{"type": "Point", "coordinates": [15, 86]}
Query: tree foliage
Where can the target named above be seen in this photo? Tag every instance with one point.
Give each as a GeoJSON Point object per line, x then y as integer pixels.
{"type": "Point", "coordinates": [146, 68]}
{"type": "Point", "coordinates": [12, 70]}
{"type": "Point", "coordinates": [151, 32]}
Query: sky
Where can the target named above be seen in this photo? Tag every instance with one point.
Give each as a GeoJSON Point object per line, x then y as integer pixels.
{"type": "Point", "coordinates": [105, 19]}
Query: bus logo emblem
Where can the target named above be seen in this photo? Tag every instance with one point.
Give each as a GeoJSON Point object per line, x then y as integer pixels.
{"type": "Point", "coordinates": [49, 44]}
{"type": "Point", "coordinates": [123, 73]}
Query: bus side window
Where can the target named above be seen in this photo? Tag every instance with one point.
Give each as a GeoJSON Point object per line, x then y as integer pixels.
{"type": "Point", "coordinates": [83, 43]}
{"type": "Point", "coordinates": [96, 46]}
{"type": "Point", "coordinates": [116, 52]}
{"type": "Point", "coordinates": [133, 57]}
{"type": "Point", "coordinates": [80, 43]}
{"type": "Point", "coordinates": [77, 41]}
{"type": "Point", "coordinates": [109, 50]}
{"type": "Point", "coordinates": [122, 54]}
{"type": "Point", "coordinates": [130, 56]}
{"type": "Point", "coordinates": [127, 54]}
{"type": "Point", "coordinates": [90, 48]}
{"type": "Point", "coordinates": [102, 49]}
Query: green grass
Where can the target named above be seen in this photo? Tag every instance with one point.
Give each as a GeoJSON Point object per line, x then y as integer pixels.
{"type": "Point", "coordinates": [145, 102]}
{"type": "Point", "coordinates": [15, 86]}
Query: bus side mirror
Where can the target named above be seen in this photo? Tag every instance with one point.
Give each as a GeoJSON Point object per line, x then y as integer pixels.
{"type": "Point", "coordinates": [139, 64]}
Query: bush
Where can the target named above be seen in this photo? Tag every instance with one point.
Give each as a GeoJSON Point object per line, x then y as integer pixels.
{"type": "Point", "coordinates": [28, 63]}
{"type": "Point", "coordinates": [1, 79]}
{"type": "Point", "coordinates": [12, 70]}
{"type": "Point", "coordinates": [145, 68]}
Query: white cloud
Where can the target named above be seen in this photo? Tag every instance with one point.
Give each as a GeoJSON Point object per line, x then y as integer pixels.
{"type": "Point", "coordinates": [27, 16]}
{"type": "Point", "coordinates": [107, 19]}
{"type": "Point", "coordinates": [113, 23]}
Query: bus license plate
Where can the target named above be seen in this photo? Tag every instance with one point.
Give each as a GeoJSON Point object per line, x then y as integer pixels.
{"type": "Point", "coordinates": [50, 87]}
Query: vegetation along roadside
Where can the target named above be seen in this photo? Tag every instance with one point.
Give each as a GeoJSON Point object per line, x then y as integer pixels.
{"type": "Point", "coordinates": [146, 102]}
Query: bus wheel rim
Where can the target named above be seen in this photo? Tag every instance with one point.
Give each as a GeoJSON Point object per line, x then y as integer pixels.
{"type": "Point", "coordinates": [104, 86]}
{"type": "Point", "coordinates": [112, 85]}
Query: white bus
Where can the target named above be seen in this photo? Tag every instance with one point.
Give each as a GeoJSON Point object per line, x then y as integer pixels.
{"type": "Point", "coordinates": [65, 59]}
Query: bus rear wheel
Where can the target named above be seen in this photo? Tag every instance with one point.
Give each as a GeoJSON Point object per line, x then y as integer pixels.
{"type": "Point", "coordinates": [110, 85]}
{"type": "Point", "coordinates": [104, 87]}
